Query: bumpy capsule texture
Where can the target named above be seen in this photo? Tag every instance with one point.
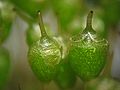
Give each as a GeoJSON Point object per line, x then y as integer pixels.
{"type": "Point", "coordinates": [44, 58]}
{"type": "Point", "coordinates": [88, 59]}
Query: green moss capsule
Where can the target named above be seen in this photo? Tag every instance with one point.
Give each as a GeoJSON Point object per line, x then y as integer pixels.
{"type": "Point", "coordinates": [45, 56]}
{"type": "Point", "coordinates": [88, 53]}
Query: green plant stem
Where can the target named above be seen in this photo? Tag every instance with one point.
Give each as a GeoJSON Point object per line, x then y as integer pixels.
{"type": "Point", "coordinates": [107, 70]}
{"type": "Point", "coordinates": [28, 19]}
{"type": "Point", "coordinates": [19, 88]}
{"type": "Point", "coordinates": [42, 86]}
{"type": "Point", "coordinates": [42, 28]}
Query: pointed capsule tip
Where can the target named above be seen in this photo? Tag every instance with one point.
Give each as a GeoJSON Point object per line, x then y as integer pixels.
{"type": "Point", "coordinates": [41, 24]}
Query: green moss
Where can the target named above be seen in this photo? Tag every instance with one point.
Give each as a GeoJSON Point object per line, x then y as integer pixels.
{"type": "Point", "coordinates": [88, 59]}
{"type": "Point", "coordinates": [44, 58]}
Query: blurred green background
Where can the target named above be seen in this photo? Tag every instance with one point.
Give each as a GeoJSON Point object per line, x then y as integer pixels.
{"type": "Point", "coordinates": [61, 17]}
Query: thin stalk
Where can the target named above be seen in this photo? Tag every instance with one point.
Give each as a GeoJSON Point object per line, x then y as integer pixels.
{"type": "Point", "coordinates": [107, 71]}
{"type": "Point", "coordinates": [25, 17]}
{"type": "Point", "coordinates": [89, 19]}
{"type": "Point", "coordinates": [88, 32]}
{"type": "Point", "coordinates": [42, 86]}
{"type": "Point", "coordinates": [42, 28]}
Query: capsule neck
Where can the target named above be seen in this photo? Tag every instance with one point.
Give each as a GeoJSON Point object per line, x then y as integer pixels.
{"type": "Point", "coordinates": [89, 23]}
{"type": "Point", "coordinates": [41, 25]}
